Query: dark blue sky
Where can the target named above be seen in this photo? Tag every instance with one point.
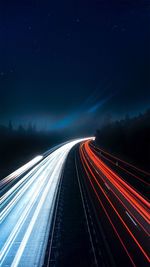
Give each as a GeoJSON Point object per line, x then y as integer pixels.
{"type": "Point", "coordinates": [71, 63]}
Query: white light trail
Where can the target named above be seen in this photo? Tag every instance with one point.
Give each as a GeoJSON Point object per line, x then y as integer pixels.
{"type": "Point", "coordinates": [27, 209]}
{"type": "Point", "coordinates": [20, 171]}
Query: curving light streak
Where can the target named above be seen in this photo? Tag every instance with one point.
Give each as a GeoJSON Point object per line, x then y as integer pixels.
{"type": "Point", "coordinates": [27, 210]}
{"type": "Point", "coordinates": [10, 198]}
{"type": "Point", "coordinates": [122, 161]}
{"type": "Point", "coordinates": [20, 171]}
{"type": "Point", "coordinates": [101, 177]}
{"type": "Point", "coordinates": [141, 204]}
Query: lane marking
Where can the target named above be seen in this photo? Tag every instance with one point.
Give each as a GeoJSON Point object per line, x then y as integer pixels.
{"type": "Point", "coordinates": [107, 186]}
{"type": "Point", "coordinates": [131, 218]}
{"type": "Point", "coordinates": [83, 203]}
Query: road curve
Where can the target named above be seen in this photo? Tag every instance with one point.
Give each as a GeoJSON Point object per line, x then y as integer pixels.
{"type": "Point", "coordinates": [124, 208]}
{"type": "Point", "coordinates": [27, 207]}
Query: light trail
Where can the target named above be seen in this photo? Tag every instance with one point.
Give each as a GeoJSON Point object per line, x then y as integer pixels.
{"type": "Point", "coordinates": [141, 204]}
{"type": "Point", "coordinates": [129, 202]}
{"type": "Point", "coordinates": [27, 209]}
{"type": "Point", "coordinates": [14, 175]}
{"type": "Point", "coordinates": [124, 162]}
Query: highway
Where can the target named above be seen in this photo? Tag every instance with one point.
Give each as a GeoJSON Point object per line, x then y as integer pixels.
{"type": "Point", "coordinates": [27, 206]}
{"type": "Point", "coordinates": [123, 211]}
{"type": "Point", "coordinates": [75, 205]}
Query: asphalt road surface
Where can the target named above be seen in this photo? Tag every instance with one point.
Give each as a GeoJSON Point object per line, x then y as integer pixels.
{"type": "Point", "coordinates": [76, 205]}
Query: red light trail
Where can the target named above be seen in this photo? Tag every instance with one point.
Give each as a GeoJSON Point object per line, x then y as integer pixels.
{"type": "Point", "coordinates": [127, 204]}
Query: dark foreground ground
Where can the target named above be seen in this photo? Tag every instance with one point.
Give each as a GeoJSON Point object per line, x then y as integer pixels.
{"type": "Point", "coordinates": [77, 238]}
{"type": "Point", "coordinates": [69, 243]}
{"type": "Point", "coordinates": [73, 241]}
{"type": "Point", "coordinates": [82, 234]}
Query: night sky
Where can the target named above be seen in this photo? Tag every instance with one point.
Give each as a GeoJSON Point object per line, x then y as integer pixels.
{"type": "Point", "coordinates": [72, 64]}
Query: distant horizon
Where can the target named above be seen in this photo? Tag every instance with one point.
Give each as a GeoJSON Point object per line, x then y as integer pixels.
{"type": "Point", "coordinates": [31, 126]}
{"type": "Point", "coordinates": [73, 65]}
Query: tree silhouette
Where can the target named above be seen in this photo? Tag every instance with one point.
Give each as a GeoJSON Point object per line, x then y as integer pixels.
{"type": "Point", "coordinates": [129, 138]}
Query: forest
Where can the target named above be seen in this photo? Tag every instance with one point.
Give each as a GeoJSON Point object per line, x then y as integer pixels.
{"type": "Point", "coordinates": [128, 138]}
{"type": "Point", "coordinates": [18, 146]}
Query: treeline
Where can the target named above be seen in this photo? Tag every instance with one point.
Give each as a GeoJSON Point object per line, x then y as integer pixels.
{"type": "Point", "coordinates": [17, 146]}
{"type": "Point", "coordinates": [128, 138]}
